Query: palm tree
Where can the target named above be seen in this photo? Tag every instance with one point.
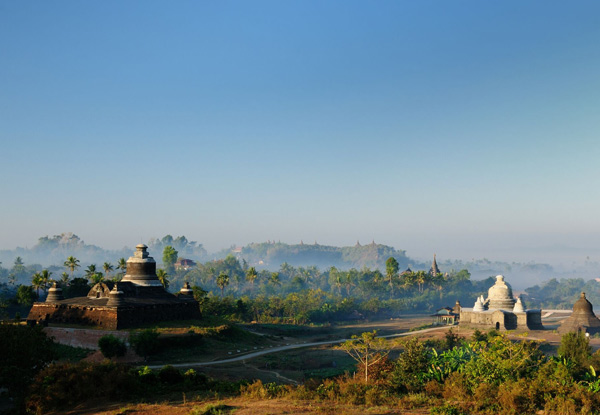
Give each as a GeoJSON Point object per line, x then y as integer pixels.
{"type": "Point", "coordinates": [314, 273]}
{"type": "Point", "coordinates": [19, 265]}
{"type": "Point", "coordinates": [64, 280]}
{"type": "Point", "coordinates": [37, 282]}
{"type": "Point", "coordinates": [45, 279]}
{"type": "Point", "coordinates": [348, 281]}
{"type": "Point", "coordinates": [274, 280]}
{"type": "Point", "coordinates": [122, 265]}
{"type": "Point", "coordinates": [90, 271]}
{"type": "Point", "coordinates": [338, 282]}
{"type": "Point", "coordinates": [251, 275]}
{"type": "Point", "coordinates": [72, 263]}
{"type": "Point", "coordinates": [163, 277]}
{"type": "Point", "coordinates": [391, 271]}
{"type": "Point", "coordinates": [287, 270]}
{"type": "Point", "coordinates": [107, 268]}
{"type": "Point", "coordinates": [97, 277]}
{"type": "Point", "coordinates": [421, 278]}
{"type": "Point", "coordinates": [222, 282]}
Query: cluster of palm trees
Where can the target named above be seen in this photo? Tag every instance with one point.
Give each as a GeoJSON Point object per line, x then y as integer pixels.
{"type": "Point", "coordinates": [93, 274]}
{"type": "Point", "coordinates": [222, 280]}
{"type": "Point", "coordinates": [42, 280]}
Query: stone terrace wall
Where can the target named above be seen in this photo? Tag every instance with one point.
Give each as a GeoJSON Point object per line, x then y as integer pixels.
{"type": "Point", "coordinates": [112, 318]}
{"type": "Point", "coordinates": [102, 317]}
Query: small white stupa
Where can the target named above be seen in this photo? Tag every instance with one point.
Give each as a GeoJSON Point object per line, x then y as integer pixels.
{"type": "Point", "coordinates": [478, 305]}
{"type": "Point", "coordinates": [519, 306]}
{"type": "Point", "coordinates": [500, 295]}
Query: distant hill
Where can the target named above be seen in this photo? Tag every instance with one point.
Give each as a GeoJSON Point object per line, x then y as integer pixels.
{"type": "Point", "coordinates": [54, 250]}
{"type": "Point", "coordinates": [272, 254]}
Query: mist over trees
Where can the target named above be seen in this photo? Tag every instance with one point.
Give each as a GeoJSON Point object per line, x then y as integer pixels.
{"type": "Point", "coordinates": [55, 250]}
{"type": "Point", "coordinates": [51, 252]}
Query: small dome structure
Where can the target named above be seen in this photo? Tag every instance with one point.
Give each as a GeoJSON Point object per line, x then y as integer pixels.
{"type": "Point", "coordinates": [186, 290]}
{"type": "Point", "coordinates": [582, 319]}
{"type": "Point", "coordinates": [99, 290]}
{"type": "Point", "coordinates": [583, 306]}
{"type": "Point", "coordinates": [478, 305]}
{"type": "Point", "coordinates": [500, 295]}
{"type": "Point", "coordinates": [456, 308]}
{"type": "Point", "coordinates": [116, 297]}
{"type": "Point", "coordinates": [55, 294]}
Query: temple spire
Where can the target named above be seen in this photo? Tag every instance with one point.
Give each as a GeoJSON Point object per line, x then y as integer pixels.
{"type": "Point", "coordinates": [434, 267]}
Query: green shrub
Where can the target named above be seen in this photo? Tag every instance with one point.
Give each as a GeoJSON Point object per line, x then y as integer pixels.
{"type": "Point", "coordinates": [500, 360]}
{"type": "Point", "coordinates": [575, 346]}
{"type": "Point", "coordinates": [145, 342]}
{"type": "Point", "coordinates": [451, 339]}
{"type": "Point", "coordinates": [478, 336]}
{"type": "Point", "coordinates": [111, 346]}
{"type": "Point", "coordinates": [410, 369]}
{"type": "Point", "coordinates": [169, 375]}
{"type": "Point", "coordinates": [259, 390]}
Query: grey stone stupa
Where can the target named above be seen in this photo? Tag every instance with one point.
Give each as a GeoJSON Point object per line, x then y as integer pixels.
{"type": "Point", "coordinates": [583, 318]}
{"type": "Point", "coordinates": [55, 294]}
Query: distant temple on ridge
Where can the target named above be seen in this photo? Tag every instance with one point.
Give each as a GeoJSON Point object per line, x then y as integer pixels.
{"type": "Point", "coordinates": [139, 298]}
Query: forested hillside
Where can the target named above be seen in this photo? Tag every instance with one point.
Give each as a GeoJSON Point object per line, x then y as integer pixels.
{"type": "Point", "coordinates": [270, 254]}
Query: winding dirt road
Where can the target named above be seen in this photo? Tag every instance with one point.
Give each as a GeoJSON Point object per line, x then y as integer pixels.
{"type": "Point", "coordinates": [287, 347]}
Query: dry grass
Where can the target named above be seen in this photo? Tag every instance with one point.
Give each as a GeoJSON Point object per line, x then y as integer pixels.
{"type": "Point", "coordinates": [242, 406]}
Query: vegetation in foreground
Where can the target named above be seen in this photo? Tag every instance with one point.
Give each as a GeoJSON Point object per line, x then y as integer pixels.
{"type": "Point", "coordinates": [483, 375]}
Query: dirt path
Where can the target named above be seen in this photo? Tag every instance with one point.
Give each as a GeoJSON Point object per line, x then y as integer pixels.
{"type": "Point", "coordinates": [276, 374]}
{"type": "Point", "coordinates": [288, 347]}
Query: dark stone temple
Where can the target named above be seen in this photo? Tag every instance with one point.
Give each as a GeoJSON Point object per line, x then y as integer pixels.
{"type": "Point", "coordinates": [139, 298]}
{"type": "Point", "coordinates": [583, 318]}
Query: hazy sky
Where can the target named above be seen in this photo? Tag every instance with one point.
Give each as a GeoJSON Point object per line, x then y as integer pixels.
{"type": "Point", "coordinates": [466, 128]}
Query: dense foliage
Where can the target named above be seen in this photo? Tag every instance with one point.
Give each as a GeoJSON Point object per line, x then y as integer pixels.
{"type": "Point", "coordinates": [488, 374]}
{"type": "Point", "coordinates": [562, 294]}
{"type": "Point", "coordinates": [144, 342]}
{"type": "Point", "coordinates": [301, 295]}
{"type": "Point", "coordinates": [111, 346]}
{"type": "Point", "coordinates": [24, 351]}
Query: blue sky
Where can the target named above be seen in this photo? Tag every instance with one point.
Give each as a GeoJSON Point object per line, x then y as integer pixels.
{"type": "Point", "coordinates": [465, 128]}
